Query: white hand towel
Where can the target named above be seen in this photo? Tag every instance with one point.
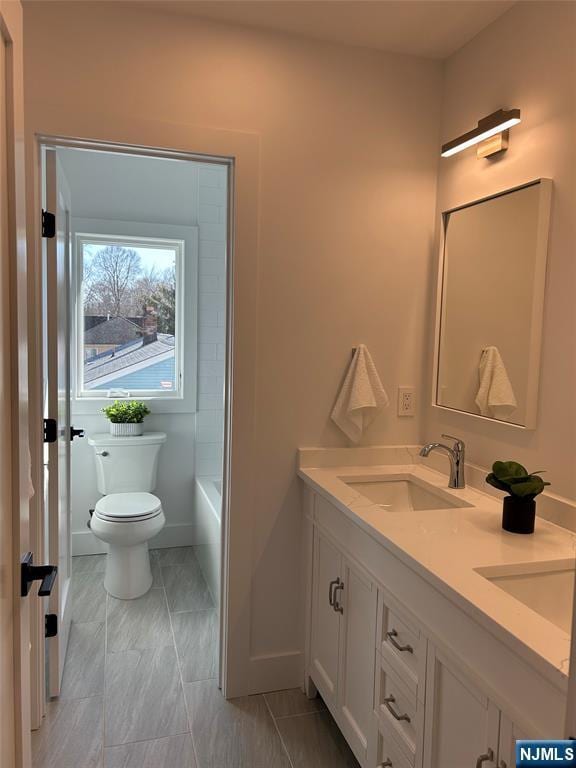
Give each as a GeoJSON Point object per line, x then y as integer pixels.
{"type": "Point", "coordinates": [361, 397]}
{"type": "Point", "coordinates": [495, 395]}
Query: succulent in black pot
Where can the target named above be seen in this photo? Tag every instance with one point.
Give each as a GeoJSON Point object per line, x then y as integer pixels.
{"type": "Point", "coordinates": [522, 487]}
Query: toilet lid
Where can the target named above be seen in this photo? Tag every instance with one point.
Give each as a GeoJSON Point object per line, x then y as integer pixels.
{"type": "Point", "coordinates": [128, 507]}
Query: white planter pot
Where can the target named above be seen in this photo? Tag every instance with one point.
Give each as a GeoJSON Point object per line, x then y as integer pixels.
{"type": "Point", "coordinates": [126, 430]}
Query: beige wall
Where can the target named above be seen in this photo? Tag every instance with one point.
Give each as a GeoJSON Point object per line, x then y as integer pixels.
{"type": "Point", "coordinates": [348, 157]}
{"type": "Point", "coordinates": [525, 59]}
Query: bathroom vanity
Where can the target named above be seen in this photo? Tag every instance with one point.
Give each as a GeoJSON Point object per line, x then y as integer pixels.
{"type": "Point", "coordinates": [435, 638]}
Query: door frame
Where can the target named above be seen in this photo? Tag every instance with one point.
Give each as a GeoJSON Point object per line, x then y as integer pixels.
{"type": "Point", "coordinates": [15, 742]}
{"type": "Point", "coordinates": [240, 152]}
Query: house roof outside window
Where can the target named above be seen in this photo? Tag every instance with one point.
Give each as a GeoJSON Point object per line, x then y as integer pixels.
{"type": "Point", "coordinates": [135, 365]}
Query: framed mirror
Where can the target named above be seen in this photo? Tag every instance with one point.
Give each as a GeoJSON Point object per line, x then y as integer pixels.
{"type": "Point", "coordinates": [491, 286]}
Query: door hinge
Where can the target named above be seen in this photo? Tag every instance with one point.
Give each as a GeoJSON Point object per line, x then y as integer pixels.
{"type": "Point", "coordinates": [50, 625]}
{"type": "Point", "coordinates": [48, 224]}
{"type": "Point", "coordinates": [50, 430]}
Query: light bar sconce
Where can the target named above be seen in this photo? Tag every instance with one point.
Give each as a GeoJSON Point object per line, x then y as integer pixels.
{"type": "Point", "coordinates": [491, 134]}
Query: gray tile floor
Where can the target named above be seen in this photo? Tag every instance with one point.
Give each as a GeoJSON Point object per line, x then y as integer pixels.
{"type": "Point", "coordinates": [139, 687]}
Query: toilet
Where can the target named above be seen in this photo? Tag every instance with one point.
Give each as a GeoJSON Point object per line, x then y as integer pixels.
{"type": "Point", "coordinates": [128, 515]}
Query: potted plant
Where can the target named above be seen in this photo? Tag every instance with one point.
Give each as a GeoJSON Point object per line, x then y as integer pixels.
{"type": "Point", "coordinates": [519, 511]}
{"type": "Point", "coordinates": [126, 417]}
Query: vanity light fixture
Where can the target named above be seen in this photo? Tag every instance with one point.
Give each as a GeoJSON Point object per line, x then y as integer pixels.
{"type": "Point", "coordinates": [494, 128]}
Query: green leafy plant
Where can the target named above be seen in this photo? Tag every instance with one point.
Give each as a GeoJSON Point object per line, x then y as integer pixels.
{"type": "Point", "coordinates": [515, 479]}
{"type": "Point", "coordinates": [126, 412]}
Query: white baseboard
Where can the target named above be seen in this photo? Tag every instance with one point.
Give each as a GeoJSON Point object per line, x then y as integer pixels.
{"type": "Point", "coordinates": [176, 535]}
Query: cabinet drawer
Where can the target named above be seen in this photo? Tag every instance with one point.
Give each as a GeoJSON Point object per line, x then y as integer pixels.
{"type": "Point", "coordinates": [402, 645]}
{"type": "Point", "coordinates": [388, 753]}
{"type": "Point", "coordinates": [399, 710]}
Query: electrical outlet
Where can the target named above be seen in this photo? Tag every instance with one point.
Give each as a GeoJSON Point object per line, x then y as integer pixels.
{"type": "Point", "coordinates": [406, 401]}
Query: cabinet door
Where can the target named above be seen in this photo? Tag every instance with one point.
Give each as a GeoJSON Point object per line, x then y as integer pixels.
{"type": "Point", "coordinates": [461, 723]}
{"type": "Point", "coordinates": [358, 599]}
{"type": "Point", "coordinates": [509, 734]}
{"type": "Point", "coordinates": [325, 620]}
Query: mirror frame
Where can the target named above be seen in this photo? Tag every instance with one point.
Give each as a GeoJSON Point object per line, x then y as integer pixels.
{"type": "Point", "coordinates": [535, 342]}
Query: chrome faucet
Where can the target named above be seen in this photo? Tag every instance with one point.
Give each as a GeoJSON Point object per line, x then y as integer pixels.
{"type": "Point", "coordinates": [456, 456]}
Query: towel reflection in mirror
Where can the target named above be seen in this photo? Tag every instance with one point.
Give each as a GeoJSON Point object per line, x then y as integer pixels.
{"type": "Point", "coordinates": [495, 396]}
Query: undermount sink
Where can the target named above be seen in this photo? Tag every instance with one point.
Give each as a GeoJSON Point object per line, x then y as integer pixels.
{"type": "Point", "coordinates": [403, 495]}
{"type": "Point", "coordinates": [547, 588]}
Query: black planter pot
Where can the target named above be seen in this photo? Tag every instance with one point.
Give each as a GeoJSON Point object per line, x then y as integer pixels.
{"type": "Point", "coordinates": [518, 514]}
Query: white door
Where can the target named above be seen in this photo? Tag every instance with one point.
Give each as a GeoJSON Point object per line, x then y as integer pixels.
{"type": "Point", "coordinates": [15, 487]}
{"type": "Point", "coordinates": [358, 599]}
{"type": "Point", "coordinates": [461, 723]}
{"type": "Point", "coordinates": [57, 270]}
{"type": "Point", "coordinates": [7, 724]}
{"type": "Point", "coordinates": [325, 635]}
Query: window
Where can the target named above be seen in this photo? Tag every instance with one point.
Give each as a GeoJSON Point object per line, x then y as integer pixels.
{"type": "Point", "coordinates": [129, 328]}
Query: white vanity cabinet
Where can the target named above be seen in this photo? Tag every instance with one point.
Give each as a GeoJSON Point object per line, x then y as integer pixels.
{"type": "Point", "coordinates": [509, 734]}
{"type": "Point", "coordinates": [400, 682]}
{"type": "Point", "coordinates": [404, 690]}
{"type": "Point", "coordinates": [462, 724]}
{"type": "Point", "coordinates": [356, 679]}
{"type": "Point", "coordinates": [342, 632]}
{"type": "Point", "coordinates": [325, 621]}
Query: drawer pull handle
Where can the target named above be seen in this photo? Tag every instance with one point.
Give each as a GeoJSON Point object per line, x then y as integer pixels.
{"type": "Point", "coordinates": [392, 635]}
{"type": "Point", "coordinates": [337, 607]}
{"type": "Point", "coordinates": [487, 758]}
{"type": "Point", "coordinates": [331, 586]}
{"type": "Point", "coordinates": [386, 764]}
{"type": "Point", "coordinates": [388, 701]}
{"type": "Point", "coordinates": [503, 764]}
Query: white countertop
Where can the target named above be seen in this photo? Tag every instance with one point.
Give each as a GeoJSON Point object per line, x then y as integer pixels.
{"type": "Point", "coordinates": [446, 546]}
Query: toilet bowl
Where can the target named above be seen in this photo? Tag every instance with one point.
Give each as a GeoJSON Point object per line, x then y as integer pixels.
{"type": "Point", "coordinates": [126, 522]}
{"type": "Point", "coordinates": [128, 515]}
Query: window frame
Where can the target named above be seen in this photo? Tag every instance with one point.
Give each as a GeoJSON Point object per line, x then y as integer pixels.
{"type": "Point", "coordinates": [177, 246]}
{"type": "Point", "coordinates": [184, 240]}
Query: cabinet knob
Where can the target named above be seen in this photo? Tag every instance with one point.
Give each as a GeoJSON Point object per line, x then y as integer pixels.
{"type": "Point", "coordinates": [487, 758]}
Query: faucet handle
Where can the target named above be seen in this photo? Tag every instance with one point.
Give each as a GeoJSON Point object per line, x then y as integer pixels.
{"type": "Point", "coordinates": [456, 439]}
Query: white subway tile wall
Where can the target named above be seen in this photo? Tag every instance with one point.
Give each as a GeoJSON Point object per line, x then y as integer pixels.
{"type": "Point", "coordinates": [212, 197]}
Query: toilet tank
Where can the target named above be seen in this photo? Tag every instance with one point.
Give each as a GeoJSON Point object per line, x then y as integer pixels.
{"type": "Point", "coordinates": [127, 464]}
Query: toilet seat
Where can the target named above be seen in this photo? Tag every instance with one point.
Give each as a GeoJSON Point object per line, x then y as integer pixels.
{"type": "Point", "coordinates": [128, 507]}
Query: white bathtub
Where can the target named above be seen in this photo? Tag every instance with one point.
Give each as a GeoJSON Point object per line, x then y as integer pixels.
{"type": "Point", "coordinates": [207, 516]}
